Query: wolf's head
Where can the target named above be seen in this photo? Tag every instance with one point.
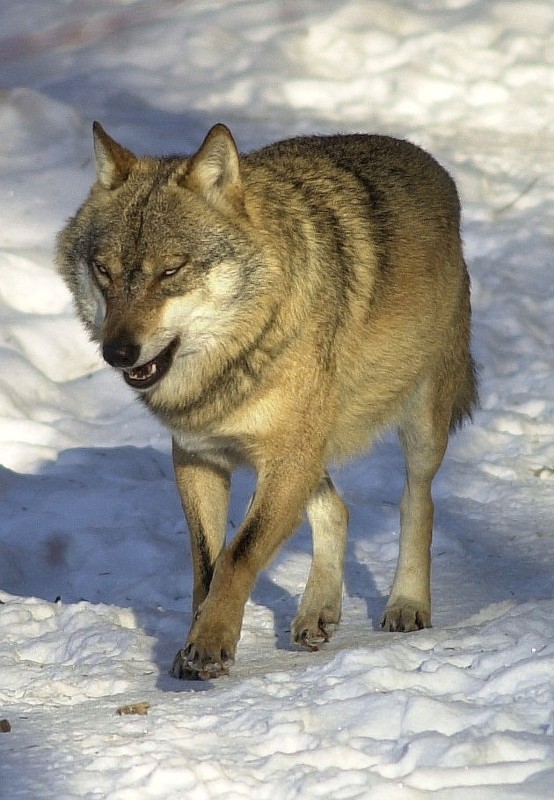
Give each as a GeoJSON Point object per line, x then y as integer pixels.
{"type": "Point", "coordinates": [162, 259]}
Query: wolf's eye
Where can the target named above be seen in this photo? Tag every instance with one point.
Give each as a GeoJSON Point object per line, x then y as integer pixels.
{"type": "Point", "coordinates": [169, 273]}
{"type": "Point", "coordinates": [100, 269]}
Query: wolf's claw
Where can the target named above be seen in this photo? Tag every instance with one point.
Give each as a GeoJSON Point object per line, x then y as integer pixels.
{"type": "Point", "coordinates": [311, 639]}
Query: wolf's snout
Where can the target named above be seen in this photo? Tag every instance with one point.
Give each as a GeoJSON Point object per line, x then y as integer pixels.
{"type": "Point", "coordinates": [120, 353]}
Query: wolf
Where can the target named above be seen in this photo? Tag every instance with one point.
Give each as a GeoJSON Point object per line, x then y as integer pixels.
{"type": "Point", "coordinates": [279, 309]}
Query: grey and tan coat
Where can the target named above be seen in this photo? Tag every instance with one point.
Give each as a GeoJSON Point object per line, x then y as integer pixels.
{"type": "Point", "coordinates": [279, 309]}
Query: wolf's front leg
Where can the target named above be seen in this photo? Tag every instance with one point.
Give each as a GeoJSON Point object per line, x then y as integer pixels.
{"type": "Point", "coordinates": [276, 510]}
{"type": "Point", "coordinates": [204, 490]}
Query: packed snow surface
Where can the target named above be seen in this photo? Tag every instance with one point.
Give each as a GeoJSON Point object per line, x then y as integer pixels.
{"type": "Point", "coordinates": [94, 571]}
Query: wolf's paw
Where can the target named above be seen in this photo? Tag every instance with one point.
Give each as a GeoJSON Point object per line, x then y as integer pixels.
{"type": "Point", "coordinates": [406, 615]}
{"type": "Point", "coordinates": [205, 656]}
{"type": "Point", "coordinates": [310, 631]}
{"type": "Point", "coordinates": [193, 664]}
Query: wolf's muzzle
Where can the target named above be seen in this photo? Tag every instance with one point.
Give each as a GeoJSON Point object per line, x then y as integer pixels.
{"type": "Point", "coordinates": [123, 355]}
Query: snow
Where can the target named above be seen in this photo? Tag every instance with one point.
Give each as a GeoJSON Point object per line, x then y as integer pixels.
{"type": "Point", "coordinates": [94, 571]}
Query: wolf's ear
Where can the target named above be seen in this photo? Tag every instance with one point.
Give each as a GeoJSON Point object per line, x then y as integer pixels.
{"type": "Point", "coordinates": [214, 171]}
{"type": "Point", "coordinates": [113, 162]}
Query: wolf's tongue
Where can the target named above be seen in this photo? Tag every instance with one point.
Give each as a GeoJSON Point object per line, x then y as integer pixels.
{"type": "Point", "coordinates": [143, 373]}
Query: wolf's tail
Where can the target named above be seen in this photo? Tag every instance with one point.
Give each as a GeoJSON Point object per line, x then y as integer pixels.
{"type": "Point", "coordinates": [467, 397]}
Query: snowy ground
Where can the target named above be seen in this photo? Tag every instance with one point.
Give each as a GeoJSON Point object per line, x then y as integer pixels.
{"type": "Point", "coordinates": [94, 568]}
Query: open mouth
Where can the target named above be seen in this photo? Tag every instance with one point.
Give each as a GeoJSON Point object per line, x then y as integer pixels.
{"type": "Point", "coordinates": [147, 375]}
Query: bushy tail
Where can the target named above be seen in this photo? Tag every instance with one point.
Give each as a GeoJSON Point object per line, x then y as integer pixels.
{"type": "Point", "coordinates": [467, 397]}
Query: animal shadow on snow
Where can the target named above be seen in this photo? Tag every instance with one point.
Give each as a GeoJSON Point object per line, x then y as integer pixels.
{"type": "Point", "coordinates": [105, 525]}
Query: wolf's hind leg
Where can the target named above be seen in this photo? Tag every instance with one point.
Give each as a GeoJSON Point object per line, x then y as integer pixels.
{"type": "Point", "coordinates": [424, 435]}
{"type": "Point", "coordinates": [321, 605]}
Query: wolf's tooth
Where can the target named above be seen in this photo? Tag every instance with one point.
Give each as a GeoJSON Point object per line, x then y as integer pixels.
{"type": "Point", "coordinates": [144, 372]}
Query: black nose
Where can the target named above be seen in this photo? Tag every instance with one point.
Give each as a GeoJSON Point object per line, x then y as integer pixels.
{"type": "Point", "coordinates": [120, 353]}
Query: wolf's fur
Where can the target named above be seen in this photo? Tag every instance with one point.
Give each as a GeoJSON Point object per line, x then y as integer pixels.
{"type": "Point", "coordinates": [302, 297]}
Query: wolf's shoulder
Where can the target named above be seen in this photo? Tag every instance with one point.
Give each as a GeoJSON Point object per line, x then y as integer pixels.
{"type": "Point", "coordinates": [385, 159]}
{"type": "Point", "coordinates": [338, 147]}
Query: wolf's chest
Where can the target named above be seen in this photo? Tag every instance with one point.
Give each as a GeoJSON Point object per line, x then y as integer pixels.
{"type": "Point", "coordinates": [196, 442]}
{"type": "Point", "coordinates": [220, 450]}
